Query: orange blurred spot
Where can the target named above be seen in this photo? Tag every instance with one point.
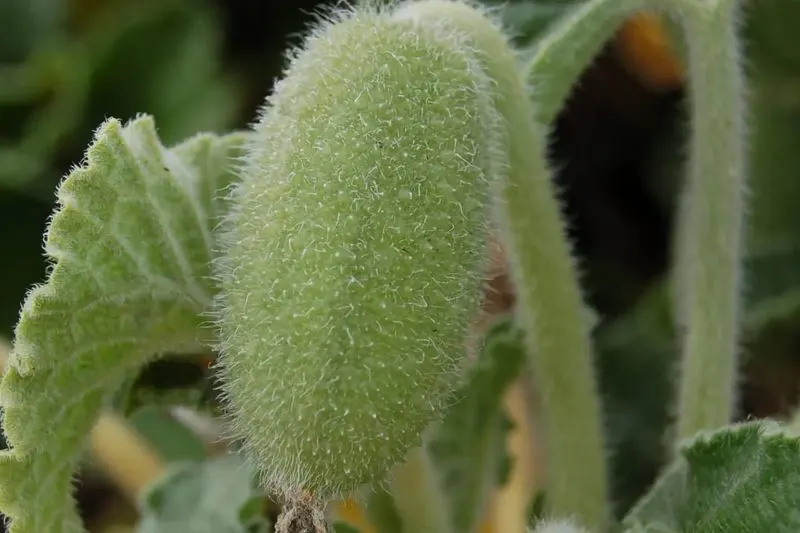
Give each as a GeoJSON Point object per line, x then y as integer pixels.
{"type": "Point", "coordinates": [351, 512]}
{"type": "Point", "coordinates": [644, 48]}
{"type": "Point", "coordinates": [486, 527]}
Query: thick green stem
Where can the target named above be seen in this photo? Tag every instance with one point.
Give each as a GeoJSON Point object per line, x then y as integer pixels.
{"type": "Point", "coordinates": [418, 496]}
{"type": "Point", "coordinates": [794, 423]}
{"type": "Point", "coordinates": [709, 236]}
{"type": "Point", "coordinates": [561, 55]}
{"type": "Point", "coordinates": [550, 309]}
{"type": "Point", "coordinates": [550, 305]}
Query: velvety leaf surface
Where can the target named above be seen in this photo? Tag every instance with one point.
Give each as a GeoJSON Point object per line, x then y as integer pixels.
{"type": "Point", "coordinates": [743, 478]}
{"type": "Point", "coordinates": [130, 244]}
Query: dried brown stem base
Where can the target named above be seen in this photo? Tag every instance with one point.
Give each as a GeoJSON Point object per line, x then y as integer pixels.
{"type": "Point", "coordinates": [302, 514]}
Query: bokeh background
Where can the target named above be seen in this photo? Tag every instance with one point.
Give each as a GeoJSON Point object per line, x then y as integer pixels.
{"type": "Point", "coordinates": [618, 147]}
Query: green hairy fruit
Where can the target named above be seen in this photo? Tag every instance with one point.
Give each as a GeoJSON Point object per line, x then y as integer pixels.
{"type": "Point", "coordinates": [352, 258]}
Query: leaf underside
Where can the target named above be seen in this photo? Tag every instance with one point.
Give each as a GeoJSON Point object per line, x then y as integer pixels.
{"type": "Point", "coordinates": [211, 496]}
{"type": "Point", "coordinates": [743, 478]}
{"type": "Point", "coordinates": [130, 245]}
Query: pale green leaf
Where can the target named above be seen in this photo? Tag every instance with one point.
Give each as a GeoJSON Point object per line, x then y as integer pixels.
{"type": "Point", "coordinates": [469, 447]}
{"type": "Point", "coordinates": [213, 496]}
{"type": "Point", "coordinates": [172, 440]}
{"type": "Point", "coordinates": [740, 479]}
{"type": "Point", "coordinates": [664, 504]}
{"type": "Point", "coordinates": [131, 245]}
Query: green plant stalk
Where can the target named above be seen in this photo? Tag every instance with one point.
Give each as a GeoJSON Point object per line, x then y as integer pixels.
{"type": "Point", "coordinates": [418, 496]}
{"type": "Point", "coordinates": [711, 223]}
{"type": "Point", "coordinates": [550, 306]}
{"type": "Point", "coordinates": [793, 424]}
{"type": "Point", "coordinates": [561, 55]}
{"type": "Point", "coordinates": [550, 310]}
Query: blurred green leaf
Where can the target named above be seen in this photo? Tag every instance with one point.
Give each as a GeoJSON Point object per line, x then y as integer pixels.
{"type": "Point", "coordinates": [24, 23]}
{"type": "Point", "coordinates": [636, 353]}
{"type": "Point", "coordinates": [159, 58]}
{"type": "Point", "coordinates": [172, 440]}
{"type": "Point", "coordinates": [469, 448]}
{"type": "Point", "coordinates": [772, 282]}
{"type": "Point", "coordinates": [771, 33]}
{"type": "Point", "coordinates": [213, 496]}
{"type": "Point", "coordinates": [162, 59]}
{"type": "Point", "coordinates": [742, 478]}
{"type": "Point", "coordinates": [382, 512]}
{"type": "Point", "coordinates": [526, 20]}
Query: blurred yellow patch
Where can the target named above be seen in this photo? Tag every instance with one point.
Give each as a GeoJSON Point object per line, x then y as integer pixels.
{"type": "Point", "coordinates": [351, 512]}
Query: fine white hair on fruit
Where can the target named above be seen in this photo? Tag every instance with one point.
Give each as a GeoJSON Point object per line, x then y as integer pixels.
{"type": "Point", "coordinates": [352, 257]}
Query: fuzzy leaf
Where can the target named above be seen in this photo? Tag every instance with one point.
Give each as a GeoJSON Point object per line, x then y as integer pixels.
{"type": "Point", "coordinates": [214, 496]}
{"type": "Point", "coordinates": [742, 478]}
{"type": "Point", "coordinates": [469, 447]}
{"type": "Point", "coordinates": [130, 243]}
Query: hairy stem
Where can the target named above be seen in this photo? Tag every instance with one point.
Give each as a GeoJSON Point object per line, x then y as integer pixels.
{"type": "Point", "coordinates": [794, 423]}
{"type": "Point", "coordinates": [561, 56]}
{"type": "Point", "coordinates": [550, 309]}
{"type": "Point", "coordinates": [418, 497]}
{"type": "Point", "coordinates": [709, 236]}
{"type": "Point", "coordinates": [550, 306]}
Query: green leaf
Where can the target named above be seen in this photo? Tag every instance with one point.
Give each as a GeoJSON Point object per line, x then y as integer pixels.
{"type": "Point", "coordinates": [186, 90]}
{"type": "Point", "coordinates": [53, 88]}
{"type": "Point", "coordinates": [773, 282]}
{"type": "Point", "coordinates": [213, 496]}
{"type": "Point", "coordinates": [663, 505]}
{"type": "Point", "coordinates": [636, 354]}
{"type": "Point", "coordinates": [172, 440]}
{"type": "Point", "coordinates": [469, 448]}
{"type": "Point", "coordinates": [131, 246]}
{"type": "Point", "coordinates": [743, 478]}
{"type": "Point", "coordinates": [382, 512]}
{"type": "Point", "coordinates": [773, 295]}
{"type": "Point", "coordinates": [24, 23]}
{"type": "Point", "coordinates": [770, 33]}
